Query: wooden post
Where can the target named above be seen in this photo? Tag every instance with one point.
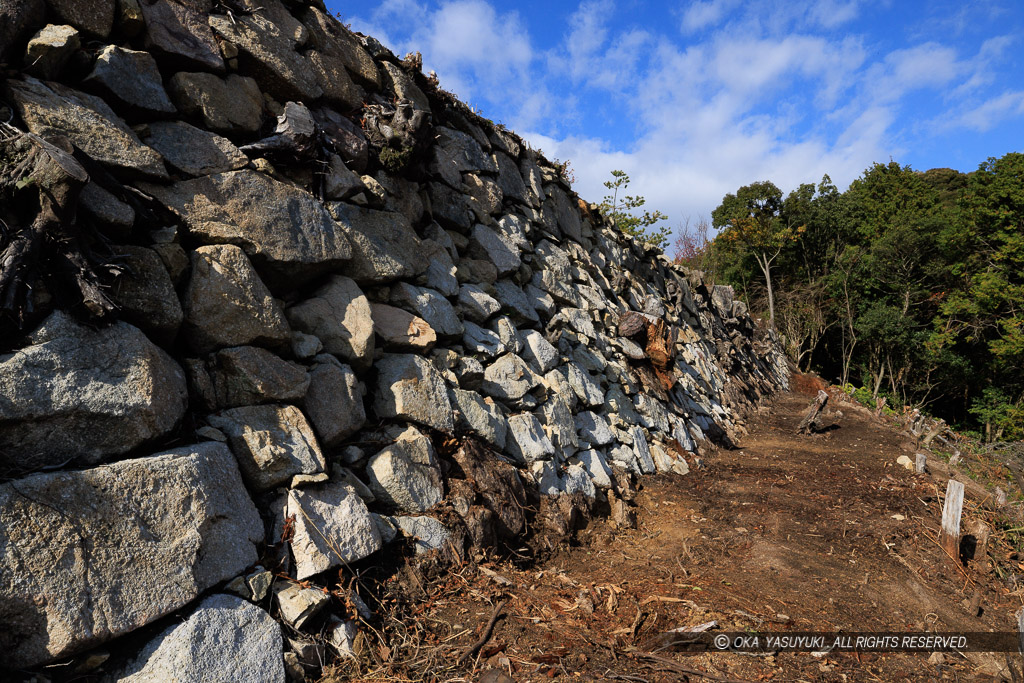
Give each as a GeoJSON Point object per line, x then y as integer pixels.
{"type": "Point", "coordinates": [920, 461]}
{"type": "Point", "coordinates": [951, 511]}
{"type": "Point", "coordinates": [1020, 630]}
{"type": "Point", "coordinates": [979, 529]}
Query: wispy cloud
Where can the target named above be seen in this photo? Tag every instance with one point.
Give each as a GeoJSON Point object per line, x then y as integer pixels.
{"type": "Point", "coordinates": [730, 93]}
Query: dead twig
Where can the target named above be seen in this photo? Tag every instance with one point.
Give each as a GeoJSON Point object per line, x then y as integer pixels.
{"type": "Point", "coordinates": [485, 636]}
{"type": "Point", "coordinates": [675, 666]}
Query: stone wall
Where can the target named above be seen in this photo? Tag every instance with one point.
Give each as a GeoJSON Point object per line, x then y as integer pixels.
{"type": "Point", "coordinates": [346, 309]}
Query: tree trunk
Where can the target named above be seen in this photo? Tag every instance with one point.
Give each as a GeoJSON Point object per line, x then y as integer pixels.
{"type": "Point", "coordinates": [52, 241]}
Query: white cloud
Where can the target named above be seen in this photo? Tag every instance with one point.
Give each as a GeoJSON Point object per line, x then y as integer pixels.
{"type": "Point", "coordinates": [989, 114]}
{"type": "Point", "coordinates": [765, 90]}
{"type": "Point", "coordinates": [704, 14]}
{"type": "Point", "coordinates": [833, 13]}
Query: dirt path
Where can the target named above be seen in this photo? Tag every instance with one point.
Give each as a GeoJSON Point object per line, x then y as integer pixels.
{"type": "Point", "coordinates": [785, 533]}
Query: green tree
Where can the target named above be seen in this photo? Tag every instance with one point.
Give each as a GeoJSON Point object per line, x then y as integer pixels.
{"type": "Point", "coordinates": [753, 218]}
{"type": "Point", "coordinates": [622, 212]}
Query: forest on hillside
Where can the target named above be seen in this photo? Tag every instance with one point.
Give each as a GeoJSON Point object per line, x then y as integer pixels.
{"type": "Point", "coordinates": [909, 285]}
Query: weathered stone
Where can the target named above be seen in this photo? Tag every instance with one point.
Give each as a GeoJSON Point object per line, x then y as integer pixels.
{"type": "Point", "coordinates": [476, 272]}
{"type": "Point", "coordinates": [410, 387]}
{"type": "Point", "coordinates": [332, 527]}
{"type": "Point", "coordinates": [384, 245]}
{"type": "Point", "coordinates": [630, 348]}
{"type": "Point", "coordinates": [596, 466]}
{"type": "Point", "coordinates": [406, 474]}
{"type": "Point", "coordinates": [557, 382]}
{"type": "Point", "coordinates": [479, 340]}
{"type": "Point", "coordinates": [402, 85]}
{"type": "Point", "coordinates": [226, 303]}
{"type": "Point", "coordinates": [340, 182]}
{"type": "Point", "coordinates": [559, 425]}
{"type": "Point", "coordinates": [92, 16]}
{"type": "Point", "coordinates": [440, 272]}
{"type": "Point", "coordinates": [470, 373]}
{"type": "Point", "coordinates": [131, 78]}
{"type": "Point", "coordinates": [512, 230]}
{"type": "Point", "coordinates": [247, 375]}
{"type": "Point", "coordinates": [526, 440]}
{"type": "Point", "coordinates": [344, 475]}
{"type": "Point", "coordinates": [580, 321]}
{"type": "Point", "coordinates": [486, 244]}
{"type": "Point", "coordinates": [539, 352]}
{"type": "Point", "coordinates": [228, 105]}
{"type": "Point", "coordinates": [341, 635]}
{"type": "Point", "coordinates": [485, 195]}
{"type": "Point", "coordinates": [291, 234]}
{"type": "Point", "coordinates": [339, 314]}
{"type": "Point", "coordinates": [178, 32]}
{"type": "Point", "coordinates": [593, 429]}
{"type": "Point", "coordinates": [402, 331]}
{"type": "Point", "coordinates": [545, 474]}
{"type": "Point", "coordinates": [476, 304]}
{"type": "Point", "coordinates": [722, 298]}
{"type": "Point", "coordinates": [194, 650]}
{"type": "Point", "coordinates": [79, 394]}
{"type": "Point", "coordinates": [305, 346]}
{"type": "Point", "coordinates": [450, 207]}
{"type": "Point", "coordinates": [193, 151]}
{"type": "Point", "coordinates": [507, 332]}
{"type": "Point", "coordinates": [268, 54]}
{"type": "Point", "coordinates": [427, 533]}
{"type": "Point", "coordinates": [652, 413]}
{"type": "Point", "coordinates": [514, 302]}
{"type": "Point", "coordinates": [385, 526]}
{"type": "Point", "coordinates": [105, 555]}
{"type": "Point", "coordinates": [619, 407]}
{"type": "Point", "coordinates": [298, 605]}
{"type": "Point", "coordinates": [510, 379]}
{"type": "Point", "coordinates": [18, 19]}
{"type": "Point", "coordinates": [455, 152]}
{"type": "Point", "coordinates": [88, 122]}
{"type": "Point", "coordinates": [642, 451]}
{"type": "Point", "coordinates": [49, 50]}
{"type": "Point", "coordinates": [540, 300]}
{"type": "Point", "coordinates": [578, 480]}
{"type": "Point", "coordinates": [586, 389]}
{"type": "Point", "coordinates": [334, 401]}
{"type": "Point", "coordinates": [333, 79]}
{"type": "Point", "coordinates": [533, 179]}
{"type": "Point", "coordinates": [565, 212]}
{"type": "Point", "coordinates": [478, 416]}
{"type": "Point", "coordinates": [145, 293]}
{"type": "Point", "coordinates": [273, 443]}
{"type": "Point", "coordinates": [430, 306]}
{"type": "Point", "coordinates": [106, 208]}
{"type": "Point", "coordinates": [328, 36]}
{"type": "Point", "coordinates": [509, 179]}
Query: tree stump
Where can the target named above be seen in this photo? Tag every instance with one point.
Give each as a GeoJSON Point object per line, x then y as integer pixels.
{"type": "Point", "coordinates": [810, 421]}
{"type": "Point", "coordinates": [43, 177]}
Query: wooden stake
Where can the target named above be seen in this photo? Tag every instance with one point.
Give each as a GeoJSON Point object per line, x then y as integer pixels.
{"type": "Point", "coordinates": [951, 511]}
{"type": "Point", "coordinates": [920, 461]}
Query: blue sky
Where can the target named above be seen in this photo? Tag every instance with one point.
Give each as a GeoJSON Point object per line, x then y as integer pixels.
{"type": "Point", "coordinates": [695, 99]}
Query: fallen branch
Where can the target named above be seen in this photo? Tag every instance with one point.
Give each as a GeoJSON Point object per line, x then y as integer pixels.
{"type": "Point", "coordinates": [675, 666]}
{"type": "Point", "coordinates": [485, 636]}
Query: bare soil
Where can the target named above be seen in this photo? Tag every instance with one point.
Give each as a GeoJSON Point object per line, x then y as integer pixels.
{"type": "Point", "coordinates": [784, 533]}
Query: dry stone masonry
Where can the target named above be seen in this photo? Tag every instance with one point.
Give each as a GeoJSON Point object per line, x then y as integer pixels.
{"type": "Point", "coordinates": [347, 312]}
